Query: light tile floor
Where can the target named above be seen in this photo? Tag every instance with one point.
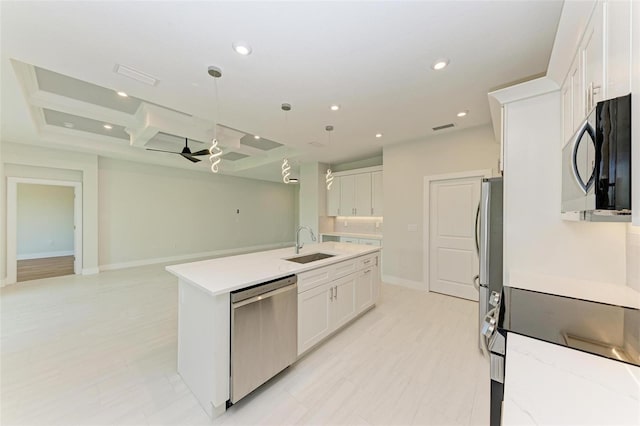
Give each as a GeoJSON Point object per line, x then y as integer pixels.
{"type": "Point", "coordinates": [101, 350]}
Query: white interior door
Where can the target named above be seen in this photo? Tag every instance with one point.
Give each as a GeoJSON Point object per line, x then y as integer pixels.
{"type": "Point", "coordinates": [453, 261]}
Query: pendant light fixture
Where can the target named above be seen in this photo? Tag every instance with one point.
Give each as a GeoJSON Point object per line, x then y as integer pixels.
{"type": "Point", "coordinates": [285, 162]}
{"type": "Point", "coordinates": [329, 176]}
{"type": "Point", "coordinates": [215, 151]}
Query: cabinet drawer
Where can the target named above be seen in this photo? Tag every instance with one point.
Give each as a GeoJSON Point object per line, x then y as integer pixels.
{"type": "Point", "coordinates": [311, 279]}
{"type": "Point", "coordinates": [344, 268]}
{"type": "Point", "coordinates": [366, 261]}
{"type": "Point", "coordinates": [370, 242]}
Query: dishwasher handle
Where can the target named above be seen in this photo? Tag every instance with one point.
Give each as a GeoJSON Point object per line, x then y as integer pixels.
{"type": "Point", "coordinates": [263, 296]}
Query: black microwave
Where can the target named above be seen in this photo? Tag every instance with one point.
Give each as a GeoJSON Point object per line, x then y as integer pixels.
{"type": "Point", "coordinates": [596, 164]}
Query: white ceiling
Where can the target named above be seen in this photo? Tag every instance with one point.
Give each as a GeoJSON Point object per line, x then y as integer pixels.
{"type": "Point", "coordinates": [371, 58]}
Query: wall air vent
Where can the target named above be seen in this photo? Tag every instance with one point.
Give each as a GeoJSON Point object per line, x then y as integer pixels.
{"type": "Point", "coordinates": [136, 75]}
{"type": "Point", "coordinates": [444, 126]}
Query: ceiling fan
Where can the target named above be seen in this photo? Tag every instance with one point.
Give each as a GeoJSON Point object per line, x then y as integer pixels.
{"type": "Point", "coordinates": [186, 152]}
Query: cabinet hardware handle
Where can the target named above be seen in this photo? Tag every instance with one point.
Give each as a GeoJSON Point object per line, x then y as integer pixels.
{"type": "Point", "coordinates": [367, 261]}
{"type": "Point", "coordinates": [336, 287]}
{"type": "Point", "coordinates": [367, 271]}
{"type": "Point", "coordinates": [331, 294]}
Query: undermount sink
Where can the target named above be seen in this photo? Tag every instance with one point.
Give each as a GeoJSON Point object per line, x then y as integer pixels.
{"type": "Point", "coordinates": [310, 257]}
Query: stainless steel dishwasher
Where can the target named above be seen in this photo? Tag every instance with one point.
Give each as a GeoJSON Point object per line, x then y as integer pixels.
{"type": "Point", "coordinates": [264, 333]}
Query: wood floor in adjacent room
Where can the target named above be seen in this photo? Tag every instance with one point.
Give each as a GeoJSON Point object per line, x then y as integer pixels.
{"type": "Point", "coordinates": [48, 267]}
{"type": "Point", "coordinates": [101, 350]}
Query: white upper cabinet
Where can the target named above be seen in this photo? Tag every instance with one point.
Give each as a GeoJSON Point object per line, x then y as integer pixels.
{"type": "Point", "coordinates": [592, 50]}
{"type": "Point", "coordinates": [618, 48]}
{"type": "Point", "coordinates": [347, 195]}
{"type": "Point", "coordinates": [333, 198]}
{"type": "Point", "coordinates": [356, 193]}
{"type": "Point", "coordinates": [376, 194]}
{"type": "Point", "coordinates": [602, 66]}
{"type": "Point", "coordinates": [362, 204]}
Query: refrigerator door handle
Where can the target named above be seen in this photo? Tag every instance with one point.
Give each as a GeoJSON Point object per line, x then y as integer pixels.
{"type": "Point", "coordinates": [477, 230]}
{"type": "Point", "coordinates": [484, 234]}
{"type": "Point", "coordinates": [476, 282]}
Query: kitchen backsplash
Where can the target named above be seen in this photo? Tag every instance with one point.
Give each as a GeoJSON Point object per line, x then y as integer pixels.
{"type": "Point", "coordinates": [358, 225]}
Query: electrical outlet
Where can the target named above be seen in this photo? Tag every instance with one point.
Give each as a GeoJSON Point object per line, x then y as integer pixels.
{"type": "Point", "coordinates": [377, 225]}
{"type": "Point", "coordinates": [346, 224]}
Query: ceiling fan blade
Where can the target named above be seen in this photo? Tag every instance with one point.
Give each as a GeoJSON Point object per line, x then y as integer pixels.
{"type": "Point", "coordinates": [201, 152]}
{"type": "Point", "coordinates": [190, 158]}
{"type": "Point", "coordinates": [161, 150]}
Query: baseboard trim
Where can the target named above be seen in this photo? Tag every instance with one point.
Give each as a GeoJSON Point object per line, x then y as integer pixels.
{"type": "Point", "coordinates": [416, 285]}
{"type": "Point", "coordinates": [208, 254]}
{"type": "Point", "coordinates": [45, 255]}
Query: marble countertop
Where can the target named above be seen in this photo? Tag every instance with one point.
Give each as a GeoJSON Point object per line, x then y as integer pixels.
{"type": "Point", "coordinates": [354, 235]}
{"type": "Point", "coordinates": [550, 384]}
{"type": "Point", "coordinates": [225, 274]}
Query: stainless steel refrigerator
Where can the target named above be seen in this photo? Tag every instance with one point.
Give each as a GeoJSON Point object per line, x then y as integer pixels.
{"type": "Point", "coordinates": [489, 245]}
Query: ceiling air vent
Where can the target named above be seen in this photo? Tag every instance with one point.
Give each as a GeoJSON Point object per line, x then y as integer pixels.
{"type": "Point", "coordinates": [444, 126]}
{"type": "Point", "coordinates": [136, 75]}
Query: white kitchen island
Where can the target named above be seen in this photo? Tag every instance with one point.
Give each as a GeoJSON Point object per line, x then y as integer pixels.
{"type": "Point", "coordinates": [204, 305]}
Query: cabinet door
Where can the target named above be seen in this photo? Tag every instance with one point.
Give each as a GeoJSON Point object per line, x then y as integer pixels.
{"type": "Point", "coordinates": [364, 289]}
{"type": "Point", "coordinates": [347, 195]}
{"type": "Point", "coordinates": [343, 306]}
{"type": "Point", "coordinates": [313, 316]}
{"type": "Point", "coordinates": [333, 198]}
{"type": "Point", "coordinates": [618, 48]}
{"type": "Point", "coordinates": [593, 60]}
{"type": "Point", "coordinates": [376, 277]}
{"type": "Point", "coordinates": [376, 193]}
{"type": "Point", "coordinates": [577, 104]}
{"type": "Point", "coordinates": [363, 195]}
{"type": "Point", "coordinates": [567, 112]}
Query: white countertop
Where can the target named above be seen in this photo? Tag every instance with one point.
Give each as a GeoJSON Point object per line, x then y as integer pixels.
{"type": "Point", "coordinates": [354, 235]}
{"type": "Point", "coordinates": [613, 294]}
{"type": "Point", "coordinates": [548, 384]}
{"type": "Point", "coordinates": [225, 274]}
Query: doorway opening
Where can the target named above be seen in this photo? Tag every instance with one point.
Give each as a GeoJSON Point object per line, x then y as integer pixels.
{"type": "Point", "coordinates": [450, 253]}
{"type": "Point", "coordinates": [44, 228]}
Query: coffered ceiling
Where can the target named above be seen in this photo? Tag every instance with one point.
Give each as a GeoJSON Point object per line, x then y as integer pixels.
{"type": "Point", "coordinates": [60, 63]}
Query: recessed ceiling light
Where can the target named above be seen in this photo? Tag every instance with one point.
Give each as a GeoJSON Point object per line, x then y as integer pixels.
{"type": "Point", "coordinates": [122, 94]}
{"type": "Point", "coordinates": [108, 126]}
{"type": "Point", "coordinates": [378, 135]}
{"type": "Point", "coordinates": [68, 125]}
{"type": "Point", "coordinates": [242, 48]}
{"type": "Point", "coordinates": [462, 113]}
{"type": "Point", "coordinates": [335, 107]}
{"type": "Point", "coordinates": [256, 137]}
{"type": "Point", "coordinates": [440, 64]}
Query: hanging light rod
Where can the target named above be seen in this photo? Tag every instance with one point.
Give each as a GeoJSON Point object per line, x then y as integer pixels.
{"type": "Point", "coordinates": [215, 152]}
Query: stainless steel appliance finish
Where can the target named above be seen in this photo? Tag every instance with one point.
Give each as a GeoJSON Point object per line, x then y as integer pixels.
{"type": "Point", "coordinates": [495, 343]}
{"type": "Point", "coordinates": [264, 333]}
{"type": "Point", "coordinates": [596, 164]}
{"type": "Point", "coordinates": [489, 219]}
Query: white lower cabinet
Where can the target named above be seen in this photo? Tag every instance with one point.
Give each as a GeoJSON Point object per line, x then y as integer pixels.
{"type": "Point", "coordinates": [364, 289]}
{"type": "Point", "coordinates": [329, 305]}
{"type": "Point", "coordinates": [313, 316]}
